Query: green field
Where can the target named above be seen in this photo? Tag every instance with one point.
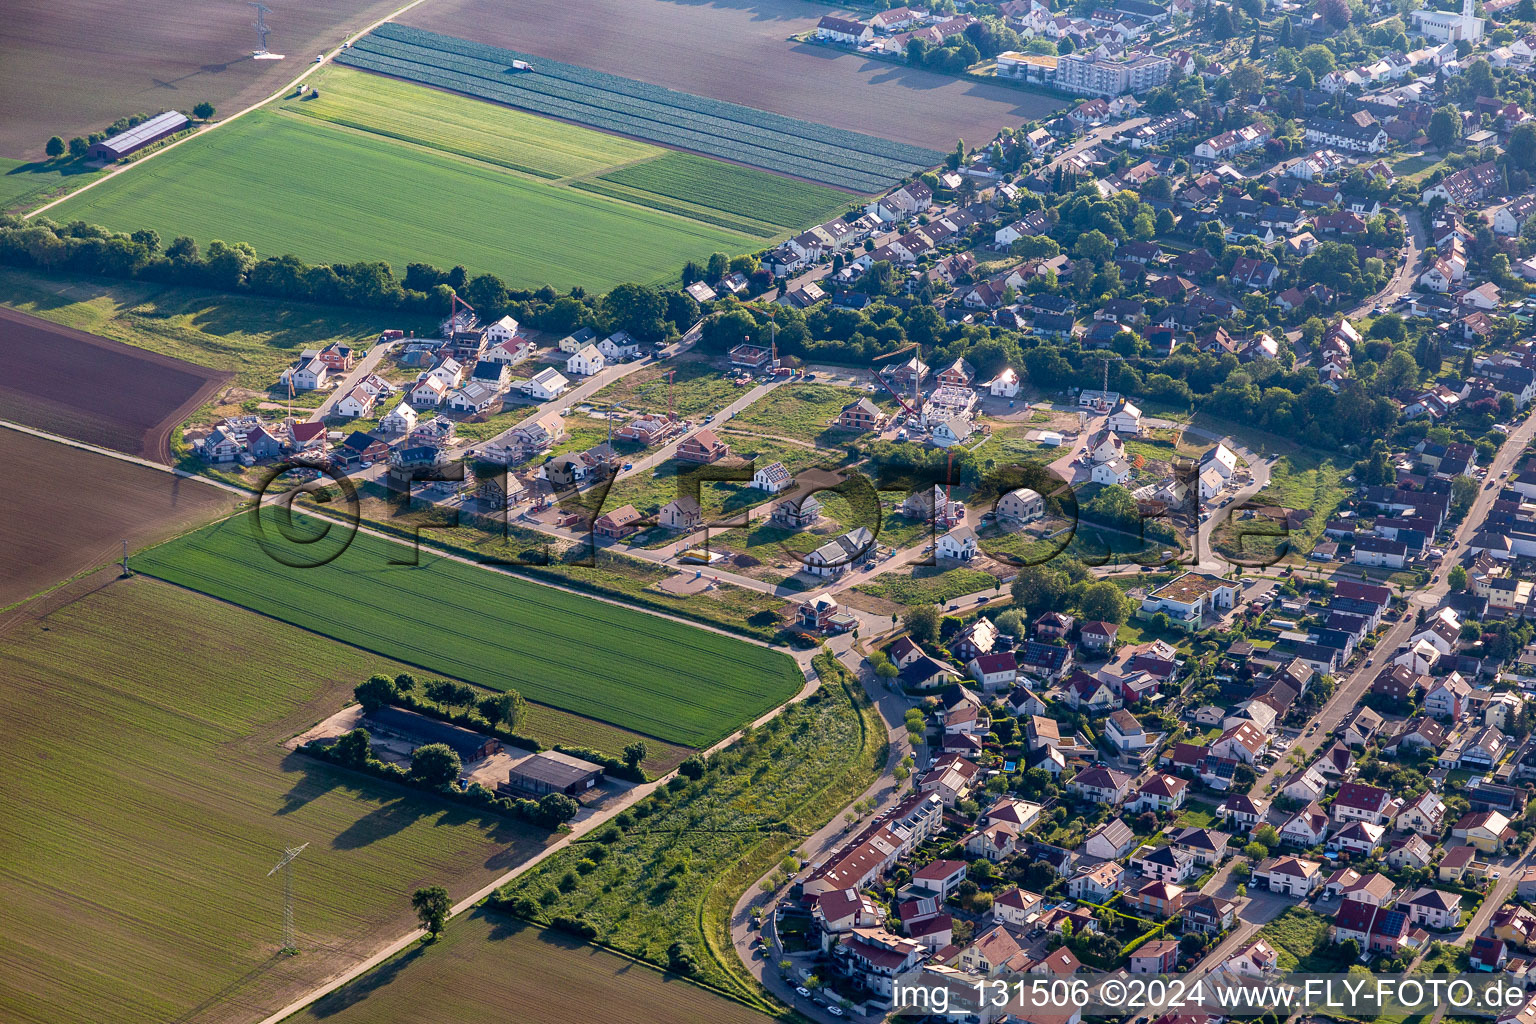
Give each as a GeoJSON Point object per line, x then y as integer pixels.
{"type": "Point", "coordinates": [487, 132]}
{"type": "Point", "coordinates": [481, 966]}
{"type": "Point", "coordinates": [148, 793]}
{"type": "Point", "coordinates": [803, 412]}
{"type": "Point", "coordinates": [617, 665]}
{"type": "Point", "coordinates": [291, 184]}
{"type": "Point", "coordinates": [22, 183]}
{"type": "Point", "coordinates": [732, 189]}
{"type": "Point", "coordinates": [688, 852]}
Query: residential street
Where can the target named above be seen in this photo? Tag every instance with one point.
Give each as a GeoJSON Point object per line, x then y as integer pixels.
{"type": "Point", "coordinates": [364, 367]}
{"type": "Point", "coordinates": [1353, 686]}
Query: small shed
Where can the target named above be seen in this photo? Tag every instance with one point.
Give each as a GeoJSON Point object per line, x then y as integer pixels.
{"type": "Point", "coordinates": [550, 771]}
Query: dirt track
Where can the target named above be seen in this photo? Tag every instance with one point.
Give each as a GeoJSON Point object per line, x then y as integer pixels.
{"type": "Point", "coordinates": [739, 50]}
{"type": "Point", "coordinates": [102, 392]}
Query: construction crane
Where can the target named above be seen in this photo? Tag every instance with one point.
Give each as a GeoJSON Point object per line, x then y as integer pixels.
{"type": "Point", "coordinates": [914, 408]}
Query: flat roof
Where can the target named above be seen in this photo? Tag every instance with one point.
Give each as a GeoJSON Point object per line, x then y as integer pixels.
{"type": "Point", "coordinates": [1191, 586]}
{"type": "Point", "coordinates": [145, 132]}
{"type": "Point", "coordinates": [554, 768]}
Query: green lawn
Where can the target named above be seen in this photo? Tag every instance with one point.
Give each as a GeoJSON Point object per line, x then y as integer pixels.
{"type": "Point", "coordinates": [673, 873]}
{"type": "Point", "coordinates": [286, 183]}
{"type": "Point", "coordinates": [1301, 480]}
{"type": "Point", "coordinates": [148, 793]}
{"type": "Point", "coordinates": [1300, 938]}
{"type": "Point", "coordinates": [696, 389]}
{"type": "Point", "coordinates": [617, 665]}
{"type": "Point", "coordinates": [928, 584]}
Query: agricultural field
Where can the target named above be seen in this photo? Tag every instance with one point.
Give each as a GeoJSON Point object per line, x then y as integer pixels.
{"type": "Point", "coordinates": [636, 671]}
{"type": "Point", "coordinates": [64, 511]}
{"type": "Point", "coordinates": [675, 871]}
{"type": "Point", "coordinates": [834, 156]}
{"type": "Point", "coordinates": [696, 188]}
{"type": "Point", "coordinates": [146, 798]}
{"type": "Point", "coordinates": [96, 390]}
{"type": "Point", "coordinates": [72, 69]}
{"type": "Point", "coordinates": [23, 182]}
{"type": "Point", "coordinates": [480, 966]}
{"type": "Point", "coordinates": [745, 56]}
{"type": "Point", "coordinates": [378, 199]}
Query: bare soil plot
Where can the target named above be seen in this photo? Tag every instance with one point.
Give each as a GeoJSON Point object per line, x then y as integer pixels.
{"type": "Point", "coordinates": [485, 964]}
{"type": "Point", "coordinates": [75, 66]}
{"type": "Point", "coordinates": [148, 793]}
{"type": "Point", "coordinates": [739, 50]}
{"type": "Point", "coordinates": [63, 511]}
{"type": "Point", "coordinates": [91, 389]}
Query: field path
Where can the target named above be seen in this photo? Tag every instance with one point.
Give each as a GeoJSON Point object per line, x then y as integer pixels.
{"type": "Point", "coordinates": [309, 69]}
{"type": "Point", "coordinates": [635, 795]}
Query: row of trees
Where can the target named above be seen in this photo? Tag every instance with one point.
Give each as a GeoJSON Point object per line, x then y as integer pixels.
{"type": "Point", "coordinates": [649, 314]}
{"type": "Point", "coordinates": [77, 146]}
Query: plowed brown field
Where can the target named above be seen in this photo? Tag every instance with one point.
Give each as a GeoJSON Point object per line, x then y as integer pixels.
{"type": "Point", "coordinates": [75, 66]}
{"type": "Point", "coordinates": [739, 50]}
{"type": "Point", "coordinates": [102, 392]}
{"type": "Point", "coordinates": [64, 510]}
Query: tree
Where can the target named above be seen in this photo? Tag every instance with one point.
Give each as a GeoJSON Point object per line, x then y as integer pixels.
{"type": "Point", "coordinates": [1104, 602]}
{"type": "Point", "coordinates": [1444, 127]}
{"type": "Point", "coordinates": [78, 147]}
{"type": "Point", "coordinates": [1463, 494]}
{"type": "Point", "coordinates": [353, 749]}
{"type": "Point", "coordinates": [1335, 13]}
{"type": "Point", "coordinates": [1094, 246]}
{"type": "Point", "coordinates": [634, 753]}
{"type": "Point", "coordinates": [692, 767]}
{"type": "Point", "coordinates": [1457, 578]}
{"type": "Point", "coordinates": [504, 709]}
{"type": "Point", "coordinates": [435, 764]}
{"type": "Point", "coordinates": [1039, 588]}
{"type": "Point", "coordinates": [718, 266]}
{"type": "Point", "coordinates": [922, 623]}
{"type": "Point", "coordinates": [1317, 59]}
{"type": "Point", "coordinates": [55, 147]}
{"type": "Point", "coordinates": [557, 808]}
{"type": "Point", "coordinates": [1256, 851]}
{"type": "Point", "coordinates": [1522, 148]}
{"type": "Point", "coordinates": [203, 111]}
{"type": "Point", "coordinates": [431, 904]}
{"type": "Point", "coordinates": [378, 692]}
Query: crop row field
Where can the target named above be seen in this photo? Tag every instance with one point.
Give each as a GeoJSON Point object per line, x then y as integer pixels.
{"type": "Point", "coordinates": [148, 794]}
{"type": "Point", "coordinates": [693, 187]}
{"type": "Point", "coordinates": [486, 962]}
{"type": "Point", "coordinates": [92, 389]}
{"type": "Point", "coordinates": [744, 53]}
{"type": "Point", "coordinates": [834, 156]}
{"type": "Point", "coordinates": [64, 511]}
{"type": "Point", "coordinates": [636, 671]}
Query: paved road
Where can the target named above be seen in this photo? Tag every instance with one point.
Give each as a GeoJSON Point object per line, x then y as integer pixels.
{"type": "Point", "coordinates": [885, 791]}
{"type": "Point", "coordinates": [1354, 685]}
{"type": "Point", "coordinates": [364, 367]}
{"type": "Point", "coordinates": [592, 385]}
{"type": "Point", "coordinates": [1407, 271]}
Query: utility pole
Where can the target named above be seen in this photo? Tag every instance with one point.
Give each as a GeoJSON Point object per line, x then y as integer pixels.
{"type": "Point", "coordinates": [286, 867]}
